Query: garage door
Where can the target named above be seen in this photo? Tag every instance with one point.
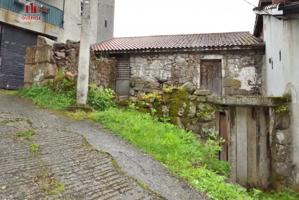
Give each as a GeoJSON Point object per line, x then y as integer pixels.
{"type": "Point", "coordinates": [13, 44]}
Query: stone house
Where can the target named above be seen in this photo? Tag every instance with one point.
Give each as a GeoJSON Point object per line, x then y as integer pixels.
{"type": "Point", "coordinates": [225, 63]}
{"type": "Point", "coordinates": [229, 65]}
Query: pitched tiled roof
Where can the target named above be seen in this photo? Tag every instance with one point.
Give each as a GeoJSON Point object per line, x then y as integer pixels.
{"type": "Point", "coordinates": [207, 41]}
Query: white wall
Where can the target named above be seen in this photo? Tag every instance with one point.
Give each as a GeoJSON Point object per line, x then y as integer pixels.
{"type": "Point", "coordinates": [283, 35]}
{"type": "Point", "coordinates": [72, 21]}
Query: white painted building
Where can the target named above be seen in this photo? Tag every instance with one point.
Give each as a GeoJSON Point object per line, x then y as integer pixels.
{"type": "Point", "coordinates": [278, 26]}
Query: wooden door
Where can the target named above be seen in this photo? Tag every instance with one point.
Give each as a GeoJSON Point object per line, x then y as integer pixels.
{"type": "Point", "coordinates": [210, 76]}
{"type": "Point", "coordinates": [224, 134]}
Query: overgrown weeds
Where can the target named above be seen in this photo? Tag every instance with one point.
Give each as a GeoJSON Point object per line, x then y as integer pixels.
{"type": "Point", "coordinates": [45, 97]}
{"type": "Point", "coordinates": [34, 148]}
{"type": "Point", "coordinates": [26, 134]}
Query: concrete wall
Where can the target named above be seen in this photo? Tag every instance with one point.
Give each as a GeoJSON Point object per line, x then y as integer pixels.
{"type": "Point", "coordinates": [241, 71]}
{"type": "Point", "coordinates": [105, 13]}
{"type": "Point", "coordinates": [101, 11]}
{"type": "Point", "coordinates": [14, 19]}
{"type": "Point", "coordinates": [56, 3]}
{"type": "Point", "coordinates": [72, 21]}
{"type": "Point", "coordinates": [71, 27]}
{"type": "Point", "coordinates": [281, 75]}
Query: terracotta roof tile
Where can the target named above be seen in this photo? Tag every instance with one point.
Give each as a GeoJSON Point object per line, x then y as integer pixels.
{"type": "Point", "coordinates": [205, 41]}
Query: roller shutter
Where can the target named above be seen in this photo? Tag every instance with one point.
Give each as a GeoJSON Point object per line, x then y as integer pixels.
{"type": "Point", "coordinates": [13, 44]}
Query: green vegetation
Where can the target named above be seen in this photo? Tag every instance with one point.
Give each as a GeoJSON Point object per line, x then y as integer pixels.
{"type": "Point", "coordinates": [178, 150]}
{"type": "Point", "coordinates": [25, 134]}
{"type": "Point", "coordinates": [100, 98]}
{"type": "Point", "coordinates": [45, 97]}
{"type": "Point", "coordinates": [34, 148]}
{"type": "Point", "coordinates": [48, 183]}
{"type": "Point", "coordinates": [54, 187]}
{"type": "Point", "coordinates": [284, 194]}
{"type": "Point", "coordinates": [9, 92]}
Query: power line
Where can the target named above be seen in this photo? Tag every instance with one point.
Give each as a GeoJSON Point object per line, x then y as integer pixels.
{"type": "Point", "coordinates": [248, 2]}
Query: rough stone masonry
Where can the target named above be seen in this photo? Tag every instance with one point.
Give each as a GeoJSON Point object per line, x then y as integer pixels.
{"type": "Point", "coordinates": [44, 60]}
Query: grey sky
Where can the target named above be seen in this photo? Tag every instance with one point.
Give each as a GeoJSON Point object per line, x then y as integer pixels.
{"type": "Point", "coordinates": [156, 17]}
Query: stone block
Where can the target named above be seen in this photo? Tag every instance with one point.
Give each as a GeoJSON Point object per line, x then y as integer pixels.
{"type": "Point", "coordinates": [192, 110]}
{"type": "Point", "coordinates": [189, 87]}
{"type": "Point", "coordinates": [282, 121]}
{"type": "Point", "coordinates": [50, 70]}
{"type": "Point", "coordinates": [30, 55]}
{"type": "Point", "coordinates": [44, 41]}
{"type": "Point", "coordinates": [28, 75]}
{"type": "Point", "coordinates": [283, 137]}
{"type": "Point", "coordinates": [234, 83]}
{"type": "Point", "coordinates": [44, 54]}
{"type": "Point", "coordinates": [195, 128]}
{"type": "Point", "coordinates": [60, 54]}
{"type": "Point", "coordinates": [201, 92]}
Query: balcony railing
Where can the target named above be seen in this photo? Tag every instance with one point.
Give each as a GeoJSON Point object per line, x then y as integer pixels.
{"type": "Point", "coordinates": [51, 14]}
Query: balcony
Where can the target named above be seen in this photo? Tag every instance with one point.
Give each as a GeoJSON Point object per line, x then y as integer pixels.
{"type": "Point", "coordinates": [49, 14]}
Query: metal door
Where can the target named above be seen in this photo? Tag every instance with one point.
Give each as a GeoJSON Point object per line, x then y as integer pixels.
{"type": "Point", "coordinates": [210, 76]}
{"type": "Point", "coordinates": [13, 44]}
{"type": "Point", "coordinates": [123, 76]}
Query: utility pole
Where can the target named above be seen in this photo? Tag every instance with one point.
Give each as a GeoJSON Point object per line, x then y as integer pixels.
{"type": "Point", "coordinates": [84, 55]}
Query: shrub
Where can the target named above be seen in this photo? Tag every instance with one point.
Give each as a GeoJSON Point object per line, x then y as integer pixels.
{"type": "Point", "coordinates": [100, 98]}
{"type": "Point", "coordinates": [62, 85]}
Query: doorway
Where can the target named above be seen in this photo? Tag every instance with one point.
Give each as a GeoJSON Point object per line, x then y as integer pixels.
{"type": "Point", "coordinates": [210, 76]}
{"type": "Point", "coordinates": [123, 74]}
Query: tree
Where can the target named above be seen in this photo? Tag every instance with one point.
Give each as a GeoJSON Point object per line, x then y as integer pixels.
{"type": "Point", "coordinates": [84, 55]}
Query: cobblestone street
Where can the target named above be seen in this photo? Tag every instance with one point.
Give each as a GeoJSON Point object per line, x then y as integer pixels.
{"type": "Point", "coordinates": [44, 155]}
{"type": "Point", "coordinates": [65, 166]}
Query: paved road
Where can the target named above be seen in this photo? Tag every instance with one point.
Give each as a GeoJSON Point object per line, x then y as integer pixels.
{"type": "Point", "coordinates": [71, 162]}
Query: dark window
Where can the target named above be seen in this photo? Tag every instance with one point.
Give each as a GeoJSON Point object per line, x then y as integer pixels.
{"type": "Point", "coordinates": [106, 23]}
{"type": "Point", "coordinates": [279, 55]}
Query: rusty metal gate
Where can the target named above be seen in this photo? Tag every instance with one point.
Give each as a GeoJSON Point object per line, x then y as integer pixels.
{"type": "Point", "coordinates": [13, 44]}
{"type": "Point", "coordinates": [123, 76]}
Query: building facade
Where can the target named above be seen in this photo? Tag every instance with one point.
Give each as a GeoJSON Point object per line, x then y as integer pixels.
{"type": "Point", "coordinates": [278, 25]}
{"type": "Point", "coordinates": [21, 21]}
{"type": "Point", "coordinates": [225, 63]}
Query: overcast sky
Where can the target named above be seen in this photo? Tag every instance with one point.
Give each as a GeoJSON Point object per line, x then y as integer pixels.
{"type": "Point", "coordinates": [159, 17]}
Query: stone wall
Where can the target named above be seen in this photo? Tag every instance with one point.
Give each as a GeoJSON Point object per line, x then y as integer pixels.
{"type": "Point", "coordinates": [281, 147]}
{"type": "Point", "coordinates": [241, 70]}
{"type": "Point", "coordinates": [44, 60]}
{"type": "Point", "coordinates": [258, 137]}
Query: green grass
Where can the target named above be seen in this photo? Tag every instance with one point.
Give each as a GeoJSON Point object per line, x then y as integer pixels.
{"type": "Point", "coordinates": [48, 182]}
{"type": "Point", "coordinates": [178, 150]}
{"type": "Point", "coordinates": [25, 134]}
{"type": "Point", "coordinates": [285, 194]}
{"type": "Point", "coordinates": [45, 97]}
{"type": "Point", "coordinates": [34, 148]}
